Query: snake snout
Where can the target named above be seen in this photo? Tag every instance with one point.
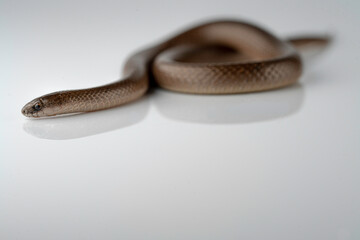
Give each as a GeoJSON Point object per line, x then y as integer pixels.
{"type": "Point", "coordinates": [26, 111]}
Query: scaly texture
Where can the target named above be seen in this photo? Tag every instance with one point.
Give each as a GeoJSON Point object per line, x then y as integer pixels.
{"type": "Point", "coordinates": [221, 57]}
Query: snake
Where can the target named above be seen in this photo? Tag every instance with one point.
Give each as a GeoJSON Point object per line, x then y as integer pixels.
{"type": "Point", "coordinates": [216, 57]}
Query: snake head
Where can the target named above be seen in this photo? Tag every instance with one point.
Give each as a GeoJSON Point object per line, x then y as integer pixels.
{"type": "Point", "coordinates": [44, 106]}
{"type": "Point", "coordinates": [35, 108]}
{"type": "Point", "coordinates": [52, 104]}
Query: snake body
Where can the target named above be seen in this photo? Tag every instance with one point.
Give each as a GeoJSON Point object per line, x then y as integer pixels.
{"type": "Point", "coordinates": [220, 57]}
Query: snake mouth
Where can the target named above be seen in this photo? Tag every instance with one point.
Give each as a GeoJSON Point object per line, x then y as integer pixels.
{"type": "Point", "coordinates": [28, 114]}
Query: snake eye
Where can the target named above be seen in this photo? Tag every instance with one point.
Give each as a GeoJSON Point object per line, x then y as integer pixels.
{"type": "Point", "coordinates": [37, 107]}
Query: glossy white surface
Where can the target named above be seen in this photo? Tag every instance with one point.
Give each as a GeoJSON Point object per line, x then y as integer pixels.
{"type": "Point", "coordinates": [277, 165]}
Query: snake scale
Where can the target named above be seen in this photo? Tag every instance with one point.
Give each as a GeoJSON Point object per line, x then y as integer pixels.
{"type": "Point", "coordinates": [218, 57]}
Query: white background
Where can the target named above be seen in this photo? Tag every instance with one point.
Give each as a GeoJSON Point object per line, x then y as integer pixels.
{"type": "Point", "coordinates": [277, 165]}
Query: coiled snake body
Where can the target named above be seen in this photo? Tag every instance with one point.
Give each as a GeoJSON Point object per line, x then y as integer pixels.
{"type": "Point", "coordinates": [221, 57]}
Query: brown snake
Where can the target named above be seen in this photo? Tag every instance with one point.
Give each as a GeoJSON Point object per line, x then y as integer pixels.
{"type": "Point", "coordinates": [221, 57]}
